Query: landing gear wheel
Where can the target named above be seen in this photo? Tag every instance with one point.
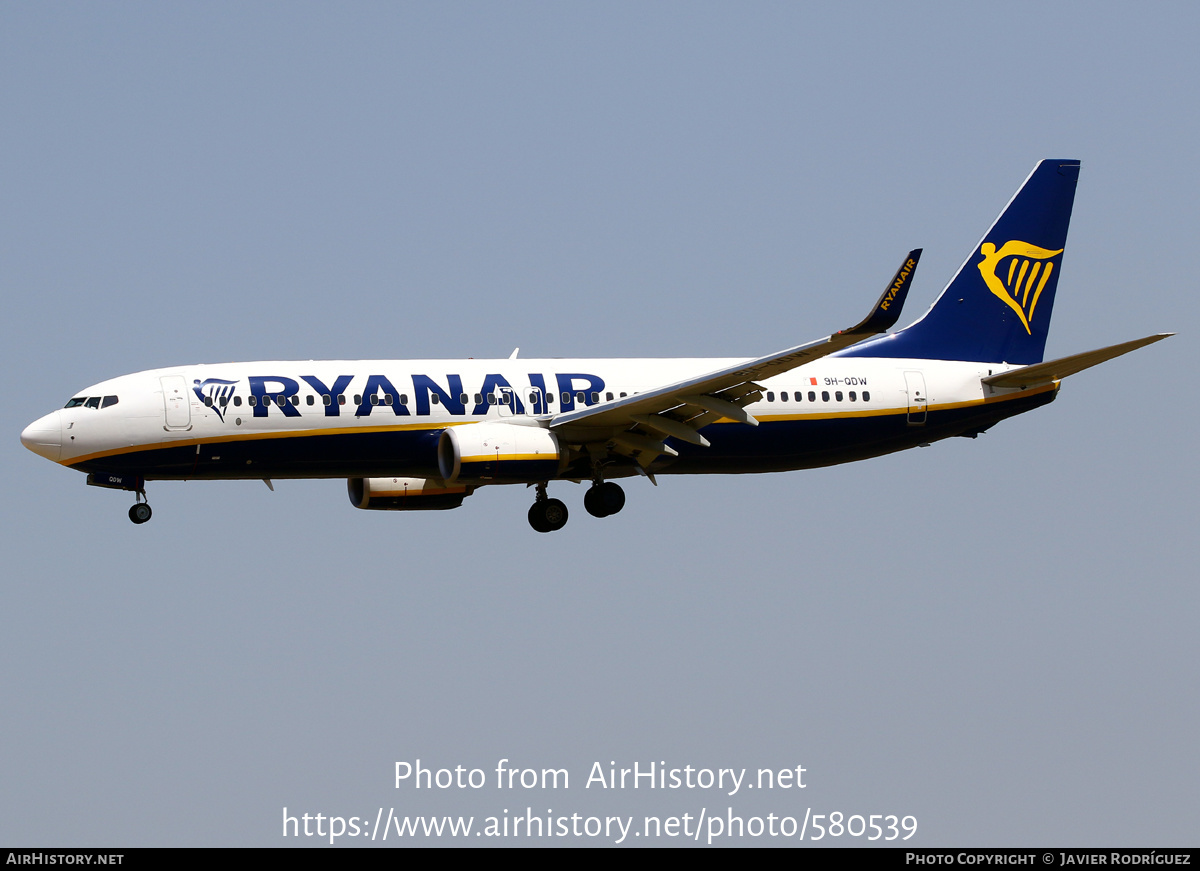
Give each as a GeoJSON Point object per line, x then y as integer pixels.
{"type": "Point", "coordinates": [140, 512]}
{"type": "Point", "coordinates": [536, 520]}
{"type": "Point", "coordinates": [613, 496]}
{"type": "Point", "coordinates": [548, 515]}
{"type": "Point", "coordinates": [604, 499]}
{"type": "Point", "coordinates": [593, 504]}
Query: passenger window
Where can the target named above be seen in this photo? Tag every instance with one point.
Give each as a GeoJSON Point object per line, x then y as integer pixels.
{"type": "Point", "coordinates": [838, 396]}
{"type": "Point", "coordinates": [326, 399]}
{"type": "Point", "coordinates": [341, 399]}
{"type": "Point", "coordinates": [824, 395]}
{"type": "Point", "coordinates": [387, 399]}
{"type": "Point", "coordinates": [549, 398]}
{"type": "Point", "coordinates": [253, 400]}
{"type": "Point", "coordinates": [853, 396]}
{"type": "Point", "coordinates": [579, 396]}
{"type": "Point", "coordinates": [434, 398]}
{"type": "Point", "coordinates": [463, 398]}
{"type": "Point", "coordinates": [595, 397]}
{"type": "Point", "coordinates": [281, 399]}
{"type": "Point", "coordinates": [309, 399]}
{"type": "Point", "coordinates": [266, 400]}
{"type": "Point", "coordinates": [357, 399]}
{"type": "Point", "coordinates": [478, 398]}
{"type": "Point", "coordinates": [208, 401]}
{"type": "Point", "coordinates": [623, 394]}
{"type": "Point", "coordinates": [770, 396]}
{"type": "Point", "coordinates": [866, 396]}
{"type": "Point", "coordinates": [491, 399]}
{"type": "Point", "coordinates": [566, 397]}
{"type": "Point", "coordinates": [404, 399]}
{"type": "Point", "coordinates": [608, 396]}
{"type": "Point", "coordinates": [812, 396]}
{"type": "Point", "coordinates": [109, 400]}
{"type": "Point", "coordinates": [224, 400]}
{"type": "Point", "coordinates": [237, 401]}
{"type": "Point", "coordinates": [295, 400]}
{"type": "Point", "coordinates": [374, 398]}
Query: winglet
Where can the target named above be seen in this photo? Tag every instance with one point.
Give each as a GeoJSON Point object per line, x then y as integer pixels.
{"type": "Point", "coordinates": [887, 310]}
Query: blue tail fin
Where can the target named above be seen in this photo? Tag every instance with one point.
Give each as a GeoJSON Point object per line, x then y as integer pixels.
{"type": "Point", "coordinates": [997, 307]}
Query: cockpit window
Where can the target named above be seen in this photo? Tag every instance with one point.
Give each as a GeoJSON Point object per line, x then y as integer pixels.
{"type": "Point", "coordinates": [76, 402]}
{"type": "Point", "coordinates": [93, 402]}
{"type": "Point", "coordinates": [109, 400]}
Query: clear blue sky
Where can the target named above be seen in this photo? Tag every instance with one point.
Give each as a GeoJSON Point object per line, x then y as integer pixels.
{"type": "Point", "coordinates": [996, 636]}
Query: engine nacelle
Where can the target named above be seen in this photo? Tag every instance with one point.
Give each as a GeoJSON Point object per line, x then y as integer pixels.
{"type": "Point", "coordinates": [405, 494]}
{"type": "Point", "coordinates": [497, 453]}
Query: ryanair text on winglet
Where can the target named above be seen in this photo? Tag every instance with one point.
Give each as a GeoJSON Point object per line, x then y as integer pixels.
{"type": "Point", "coordinates": [901, 280]}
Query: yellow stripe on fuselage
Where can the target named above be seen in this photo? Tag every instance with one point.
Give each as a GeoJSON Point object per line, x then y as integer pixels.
{"type": "Point", "coordinates": [904, 409]}
{"type": "Point", "coordinates": [256, 436]}
{"type": "Point", "coordinates": [404, 427]}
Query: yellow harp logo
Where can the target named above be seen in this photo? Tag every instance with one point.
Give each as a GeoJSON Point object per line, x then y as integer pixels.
{"type": "Point", "coordinates": [1021, 286]}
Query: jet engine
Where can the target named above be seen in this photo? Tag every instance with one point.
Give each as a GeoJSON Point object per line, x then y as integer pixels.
{"type": "Point", "coordinates": [405, 494]}
{"type": "Point", "coordinates": [497, 453]}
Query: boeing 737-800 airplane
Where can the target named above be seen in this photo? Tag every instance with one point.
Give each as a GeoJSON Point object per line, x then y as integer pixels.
{"type": "Point", "coordinates": [424, 434]}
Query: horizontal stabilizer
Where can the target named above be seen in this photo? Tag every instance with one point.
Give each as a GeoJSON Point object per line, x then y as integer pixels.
{"type": "Point", "coordinates": [1054, 370]}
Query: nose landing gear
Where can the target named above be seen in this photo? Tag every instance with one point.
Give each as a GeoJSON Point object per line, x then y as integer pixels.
{"type": "Point", "coordinates": [139, 512]}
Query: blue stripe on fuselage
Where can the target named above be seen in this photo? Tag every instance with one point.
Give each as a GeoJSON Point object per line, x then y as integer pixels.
{"type": "Point", "coordinates": [774, 445]}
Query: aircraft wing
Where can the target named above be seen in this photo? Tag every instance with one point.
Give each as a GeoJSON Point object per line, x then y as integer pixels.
{"type": "Point", "coordinates": [637, 424]}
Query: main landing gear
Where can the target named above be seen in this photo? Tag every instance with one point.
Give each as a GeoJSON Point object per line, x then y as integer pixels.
{"type": "Point", "coordinates": [545, 514]}
{"type": "Point", "coordinates": [550, 515]}
{"type": "Point", "coordinates": [139, 512]}
{"type": "Point", "coordinates": [603, 499]}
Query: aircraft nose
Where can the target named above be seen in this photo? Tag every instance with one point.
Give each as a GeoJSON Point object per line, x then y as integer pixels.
{"type": "Point", "coordinates": [44, 436]}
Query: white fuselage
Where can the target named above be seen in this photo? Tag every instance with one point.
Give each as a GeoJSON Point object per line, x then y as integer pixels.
{"type": "Point", "coordinates": [374, 417]}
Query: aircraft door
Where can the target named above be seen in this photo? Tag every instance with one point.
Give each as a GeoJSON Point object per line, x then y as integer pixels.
{"type": "Point", "coordinates": [535, 403]}
{"type": "Point", "coordinates": [918, 399]}
{"type": "Point", "coordinates": [506, 401]}
{"type": "Point", "coordinates": [176, 403]}
{"type": "Point", "coordinates": [511, 402]}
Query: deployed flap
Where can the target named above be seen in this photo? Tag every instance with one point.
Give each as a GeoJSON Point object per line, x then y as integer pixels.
{"type": "Point", "coordinates": [1054, 370]}
{"type": "Point", "coordinates": [620, 412]}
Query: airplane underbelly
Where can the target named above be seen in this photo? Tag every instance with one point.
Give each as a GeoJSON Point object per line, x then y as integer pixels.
{"type": "Point", "coordinates": [807, 443]}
